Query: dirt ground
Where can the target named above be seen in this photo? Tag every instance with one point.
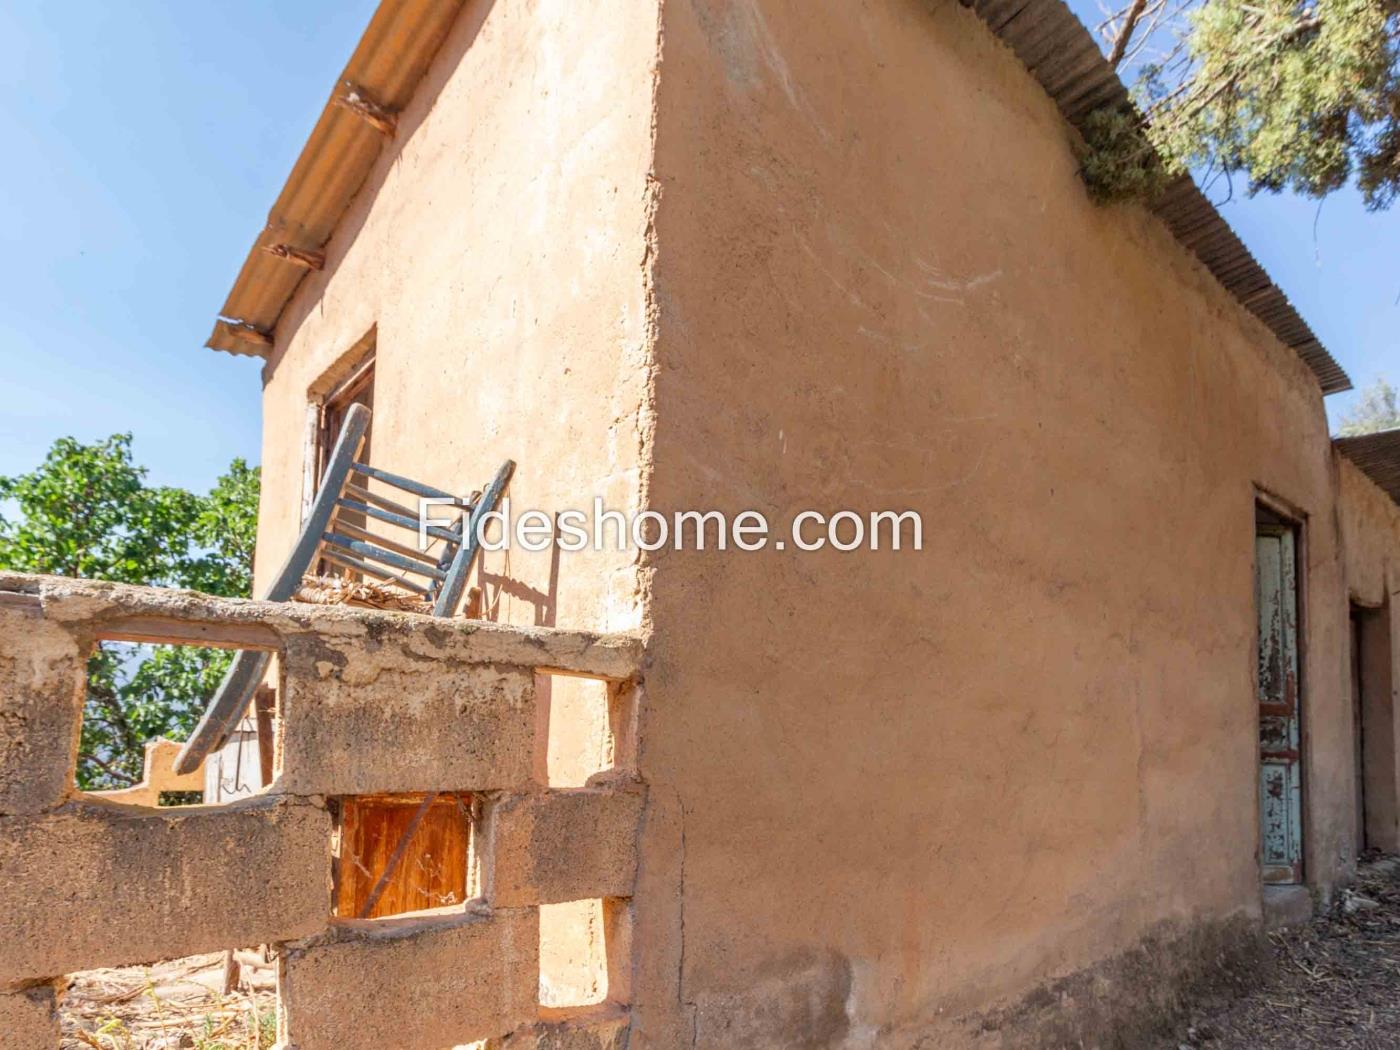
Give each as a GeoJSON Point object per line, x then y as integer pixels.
{"type": "Point", "coordinates": [1335, 982]}
{"type": "Point", "coordinates": [176, 1005]}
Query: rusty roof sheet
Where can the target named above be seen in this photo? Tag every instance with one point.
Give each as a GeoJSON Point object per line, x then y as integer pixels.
{"type": "Point", "coordinates": [404, 35]}
{"type": "Point", "coordinates": [1061, 53]}
{"type": "Point", "coordinates": [1378, 457]}
{"type": "Point", "coordinates": [389, 61]}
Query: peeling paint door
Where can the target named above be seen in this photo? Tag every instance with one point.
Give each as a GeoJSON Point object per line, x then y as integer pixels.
{"type": "Point", "coordinates": [1280, 735]}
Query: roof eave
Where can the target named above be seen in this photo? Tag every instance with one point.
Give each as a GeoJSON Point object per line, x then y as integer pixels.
{"type": "Point", "coordinates": [1377, 456]}
{"type": "Point", "coordinates": [1061, 54]}
{"type": "Point", "coordinates": [404, 36]}
{"type": "Point", "coordinates": [357, 120]}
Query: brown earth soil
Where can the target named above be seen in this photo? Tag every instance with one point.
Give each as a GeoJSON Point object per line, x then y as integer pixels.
{"type": "Point", "coordinates": [1334, 982]}
{"type": "Point", "coordinates": [169, 1006]}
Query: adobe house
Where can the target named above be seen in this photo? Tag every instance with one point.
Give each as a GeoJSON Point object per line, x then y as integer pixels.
{"type": "Point", "coordinates": [1028, 786]}
{"type": "Point", "coordinates": [749, 254]}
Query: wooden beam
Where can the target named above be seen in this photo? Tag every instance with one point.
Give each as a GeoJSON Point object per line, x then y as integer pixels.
{"type": "Point", "coordinates": [264, 706]}
{"type": "Point", "coordinates": [304, 257]}
{"type": "Point", "coordinates": [159, 630]}
{"type": "Point", "coordinates": [355, 100]}
{"type": "Point", "coordinates": [247, 332]}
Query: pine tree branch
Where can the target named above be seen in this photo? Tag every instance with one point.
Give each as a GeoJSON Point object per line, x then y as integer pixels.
{"type": "Point", "coordinates": [1125, 32]}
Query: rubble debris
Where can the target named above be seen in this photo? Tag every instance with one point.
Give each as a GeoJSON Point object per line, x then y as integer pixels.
{"type": "Point", "coordinates": [366, 594]}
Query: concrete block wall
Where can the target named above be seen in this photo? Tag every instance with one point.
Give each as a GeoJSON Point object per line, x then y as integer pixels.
{"type": "Point", "coordinates": [370, 703]}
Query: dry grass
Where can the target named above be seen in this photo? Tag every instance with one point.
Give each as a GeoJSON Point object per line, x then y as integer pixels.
{"type": "Point", "coordinates": [367, 594]}
{"type": "Point", "coordinates": [1335, 982]}
{"type": "Point", "coordinates": [176, 1004]}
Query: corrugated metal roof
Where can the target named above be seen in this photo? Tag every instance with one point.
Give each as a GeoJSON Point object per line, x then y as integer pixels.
{"type": "Point", "coordinates": [1062, 54]}
{"type": "Point", "coordinates": [1378, 457]}
{"type": "Point", "coordinates": [389, 61]}
{"type": "Point", "coordinates": [404, 35]}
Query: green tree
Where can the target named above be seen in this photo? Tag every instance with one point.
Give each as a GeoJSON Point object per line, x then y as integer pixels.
{"type": "Point", "coordinates": [88, 511]}
{"type": "Point", "coordinates": [1378, 408]}
{"type": "Point", "coordinates": [1289, 95]}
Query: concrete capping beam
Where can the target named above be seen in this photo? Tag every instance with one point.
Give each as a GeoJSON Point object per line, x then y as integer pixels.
{"type": "Point", "coordinates": [99, 884]}
{"type": "Point", "coordinates": [43, 682]}
{"type": "Point", "coordinates": [99, 609]}
{"type": "Point", "coordinates": [421, 981]}
{"type": "Point", "coordinates": [29, 1018]}
{"type": "Point", "coordinates": [563, 845]}
{"type": "Point", "coordinates": [363, 719]}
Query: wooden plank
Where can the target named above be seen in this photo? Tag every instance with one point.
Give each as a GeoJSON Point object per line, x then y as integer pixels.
{"type": "Point", "coordinates": [384, 541]}
{"type": "Point", "coordinates": [451, 591]}
{"type": "Point", "coordinates": [400, 520]}
{"type": "Point", "coordinates": [235, 692]}
{"type": "Point", "coordinates": [160, 630]}
{"type": "Point", "coordinates": [331, 554]}
{"type": "Point", "coordinates": [431, 869]}
{"type": "Point", "coordinates": [355, 491]}
{"type": "Point", "coordinates": [230, 701]}
{"type": "Point", "coordinates": [401, 482]}
{"type": "Point", "coordinates": [264, 706]}
{"type": "Point", "coordinates": [374, 552]}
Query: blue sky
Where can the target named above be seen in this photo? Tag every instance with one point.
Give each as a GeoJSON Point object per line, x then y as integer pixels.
{"type": "Point", "coordinates": [147, 141]}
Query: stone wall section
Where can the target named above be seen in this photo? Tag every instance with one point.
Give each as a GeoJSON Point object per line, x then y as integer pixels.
{"type": "Point", "coordinates": [371, 703]}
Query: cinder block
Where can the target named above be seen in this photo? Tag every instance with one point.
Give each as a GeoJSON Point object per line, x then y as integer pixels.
{"type": "Point", "coordinates": [98, 884]}
{"type": "Point", "coordinates": [365, 716]}
{"type": "Point", "coordinates": [560, 846]}
{"type": "Point", "coordinates": [28, 1020]}
{"type": "Point", "coordinates": [43, 680]}
{"type": "Point", "coordinates": [425, 982]}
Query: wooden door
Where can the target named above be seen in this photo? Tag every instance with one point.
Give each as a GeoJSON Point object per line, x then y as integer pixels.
{"type": "Point", "coordinates": [1280, 709]}
{"type": "Point", "coordinates": [1358, 729]}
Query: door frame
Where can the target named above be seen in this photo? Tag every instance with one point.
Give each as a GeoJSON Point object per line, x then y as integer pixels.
{"type": "Point", "coordinates": [1272, 510]}
{"type": "Point", "coordinates": [1372, 671]}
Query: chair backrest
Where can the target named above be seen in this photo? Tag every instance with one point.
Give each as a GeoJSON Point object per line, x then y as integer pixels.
{"type": "Point", "coordinates": [400, 562]}
{"type": "Point", "coordinates": [327, 534]}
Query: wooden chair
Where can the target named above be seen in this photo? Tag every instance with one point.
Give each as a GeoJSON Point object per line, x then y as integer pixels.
{"type": "Point", "coordinates": [326, 535]}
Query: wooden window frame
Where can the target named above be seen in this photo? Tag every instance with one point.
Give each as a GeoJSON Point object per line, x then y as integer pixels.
{"type": "Point", "coordinates": [331, 409]}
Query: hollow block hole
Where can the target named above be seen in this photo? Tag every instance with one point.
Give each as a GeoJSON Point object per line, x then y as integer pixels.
{"type": "Point", "coordinates": [402, 853]}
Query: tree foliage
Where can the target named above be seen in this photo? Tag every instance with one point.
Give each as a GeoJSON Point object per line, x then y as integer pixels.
{"type": "Point", "coordinates": [1289, 95]}
{"type": "Point", "coordinates": [1378, 408]}
{"type": "Point", "coordinates": [88, 511]}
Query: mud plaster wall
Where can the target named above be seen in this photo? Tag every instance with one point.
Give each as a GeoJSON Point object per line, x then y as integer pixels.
{"type": "Point", "coordinates": [1370, 529]}
{"type": "Point", "coordinates": [498, 247]}
{"type": "Point", "coordinates": [1369, 522]}
{"type": "Point", "coordinates": [497, 250]}
{"type": "Point", "coordinates": [893, 789]}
